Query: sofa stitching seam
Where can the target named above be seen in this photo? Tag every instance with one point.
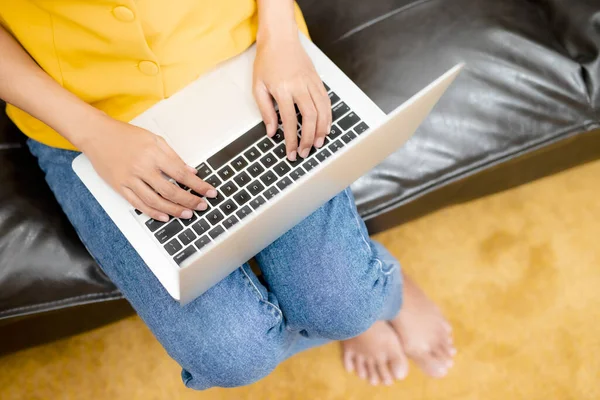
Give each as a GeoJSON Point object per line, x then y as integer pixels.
{"type": "Point", "coordinates": [379, 19]}
{"type": "Point", "coordinates": [99, 295]}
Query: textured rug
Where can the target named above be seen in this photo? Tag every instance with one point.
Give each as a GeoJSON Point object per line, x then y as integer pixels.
{"type": "Point", "coordinates": [517, 273]}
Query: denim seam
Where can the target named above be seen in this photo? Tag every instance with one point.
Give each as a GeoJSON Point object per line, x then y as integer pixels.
{"type": "Point", "coordinates": [260, 296]}
{"type": "Point", "coordinates": [362, 235]}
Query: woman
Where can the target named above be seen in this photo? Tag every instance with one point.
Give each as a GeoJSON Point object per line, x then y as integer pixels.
{"type": "Point", "coordinates": [73, 70]}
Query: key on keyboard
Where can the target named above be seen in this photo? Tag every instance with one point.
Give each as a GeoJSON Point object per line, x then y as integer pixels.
{"type": "Point", "coordinates": [173, 247]}
{"type": "Point", "coordinates": [234, 149]}
{"type": "Point", "coordinates": [255, 188]}
{"type": "Point", "coordinates": [349, 121]}
{"type": "Point", "coordinates": [230, 221]}
{"type": "Point", "coordinates": [239, 163]}
{"type": "Point", "coordinates": [282, 168]}
{"type": "Point", "coordinates": [203, 171]}
{"type": "Point", "coordinates": [256, 169]}
{"type": "Point", "coordinates": [335, 146]}
{"type": "Point", "coordinates": [243, 212]}
{"type": "Point", "coordinates": [167, 232]}
{"type": "Point", "coordinates": [185, 254]}
{"type": "Point", "coordinates": [252, 154]}
{"type": "Point", "coordinates": [203, 241]}
{"type": "Point", "coordinates": [228, 207]}
{"type": "Point", "coordinates": [186, 237]}
{"type": "Point", "coordinates": [242, 197]}
{"type": "Point", "coordinates": [228, 189]}
{"type": "Point", "coordinates": [201, 227]}
{"type": "Point", "coordinates": [270, 192]}
{"type": "Point", "coordinates": [241, 179]}
{"type": "Point", "coordinates": [216, 232]}
{"type": "Point", "coordinates": [339, 110]}
{"type": "Point", "coordinates": [268, 178]}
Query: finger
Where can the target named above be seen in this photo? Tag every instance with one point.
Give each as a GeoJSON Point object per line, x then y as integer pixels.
{"type": "Point", "coordinates": [290, 123]}
{"type": "Point", "coordinates": [173, 166]}
{"type": "Point", "coordinates": [349, 361]}
{"type": "Point", "coordinates": [309, 120]}
{"type": "Point", "coordinates": [135, 201]}
{"type": "Point", "coordinates": [372, 372]}
{"type": "Point", "coordinates": [171, 191]}
{"type": "Point", "coordinates": [323, 105]}
{"type": "Point", "coordinates": [144, 190]}
{"type": "Point", "coordinates": [264, 101]}
{"type": "Point", "coordinates": [384, 372]}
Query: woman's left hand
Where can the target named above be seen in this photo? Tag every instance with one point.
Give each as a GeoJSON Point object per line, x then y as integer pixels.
{"type": "Point", "coordinates": [284, 72]}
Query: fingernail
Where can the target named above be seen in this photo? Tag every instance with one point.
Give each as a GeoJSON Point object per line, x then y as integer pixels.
{"type": "Point", "coordinates": [328, 129]}
{"type": "Point", "coordinates": [292, 156]}
{"type": "Point", "coordinates": [191, 169]}
{"type": "Point", "coordinates": [270, 130]}
{"type": "Point", "coordinates": [163, 218]}
{"type": "Point", "coordinates": [319, 142]}
{"type": "Point", "coordinates": [211, 193]}
{"type": "Point", "coordinates": [202, 206]}
{"type": "Point", "coordinates": [453, 351]}
{"type": "Point", "coordinates": [387, 382]}
{"type": "Point", "coordinates": [449, 364]}
{"type": "Point", "coordinates": [186, 214]}
{"type": "Point", "coordinates": [304, 153]}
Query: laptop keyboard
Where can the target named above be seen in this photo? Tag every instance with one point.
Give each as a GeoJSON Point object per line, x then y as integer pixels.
{"type": "Point", "coordinates": [248, 173]}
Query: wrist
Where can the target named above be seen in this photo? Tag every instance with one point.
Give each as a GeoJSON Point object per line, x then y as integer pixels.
{"type": "Point", "coordinates": [82, 126]}
{"type": "Point", "coordinates": [276, 22]}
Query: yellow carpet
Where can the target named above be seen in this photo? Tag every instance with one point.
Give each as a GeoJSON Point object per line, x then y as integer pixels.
{"type": "Point", "coordinates": [517, 273]}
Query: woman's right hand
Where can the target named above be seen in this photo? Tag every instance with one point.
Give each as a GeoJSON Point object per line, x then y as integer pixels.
{"type": "Point", "coordinates": [134, 162]}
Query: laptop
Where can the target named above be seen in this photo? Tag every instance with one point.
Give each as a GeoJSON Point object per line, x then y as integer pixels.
{"type": "Point", "coordinates": [214, 124]}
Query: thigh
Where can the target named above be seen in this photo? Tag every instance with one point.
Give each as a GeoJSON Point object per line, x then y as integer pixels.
{"type": "Point", "coordinates": [329, 277]}
{"type": "Point", "coordinates": [233, 331]}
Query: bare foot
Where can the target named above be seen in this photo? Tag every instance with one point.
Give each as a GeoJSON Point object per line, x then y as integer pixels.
{"type": "Point", "coordinates": [376, 355]}
{"type": "Point", "coordinates": [425, 334]}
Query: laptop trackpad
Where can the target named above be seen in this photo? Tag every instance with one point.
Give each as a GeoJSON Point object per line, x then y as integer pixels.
{"type": "Point", "coordinates": [205, 116]}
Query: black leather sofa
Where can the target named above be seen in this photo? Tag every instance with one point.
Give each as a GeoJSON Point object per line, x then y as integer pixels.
{"type": "Point", "coordinates": [526, 106]}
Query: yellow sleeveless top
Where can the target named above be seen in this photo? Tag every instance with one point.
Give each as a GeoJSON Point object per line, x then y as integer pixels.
{"type": "Point", "coordinates": [123, 56]}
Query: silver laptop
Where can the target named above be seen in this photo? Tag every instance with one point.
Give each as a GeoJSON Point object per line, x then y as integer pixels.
{"type": "Point", "coordinates": [214, 124]}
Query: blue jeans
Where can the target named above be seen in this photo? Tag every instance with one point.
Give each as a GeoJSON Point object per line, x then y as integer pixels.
{"type": "Point", "coordinates": [325, 280]}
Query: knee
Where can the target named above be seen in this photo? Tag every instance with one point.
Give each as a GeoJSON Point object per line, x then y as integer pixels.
{"type": "Point", "coordinates": [343, 310]}
{"type": "Point", "coordinates": [230, 354]}
{"type": "Point", "coordinates": [341, 320]}
{"type": "Point", "coordinates": [231, 365]}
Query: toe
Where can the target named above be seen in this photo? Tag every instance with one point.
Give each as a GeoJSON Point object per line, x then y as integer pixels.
{"type": "Point", "coordinates": [442, 351]}
{"type": "Point", "coordinates": [439, 365]}
{"type": "Point", "coordinates": [445, 348]}
{"type": "Point", "coordinates": [383, 368]}
{"type": "Point", "coordinates": [349, 360]}
{"type": "Point", "coordinates": [429, 363]}
{"type": "Point", "coordinates": [372, 372]}
{"type": "Point", "coordinates": [399, 366]}
{"type": "Point", "coordinates": [447, 327]}
{"type": "Point", "coordinates": [361, 368]}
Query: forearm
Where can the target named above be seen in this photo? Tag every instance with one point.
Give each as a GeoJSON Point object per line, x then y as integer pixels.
{"type": "Point", "coordinates": [276, 19]}
{"type": "Point", "coordinates": [25, 85]}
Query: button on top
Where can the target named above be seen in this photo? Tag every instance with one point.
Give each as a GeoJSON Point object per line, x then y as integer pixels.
{"type": "Point", "coordinates": [123, 13]}
{"type": "Point", "coordinates": [148, 67]}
